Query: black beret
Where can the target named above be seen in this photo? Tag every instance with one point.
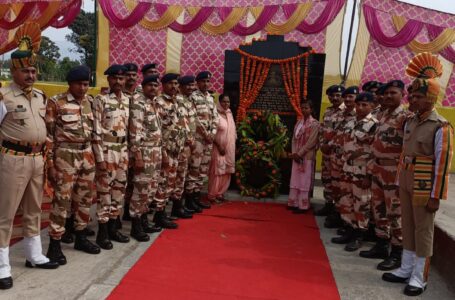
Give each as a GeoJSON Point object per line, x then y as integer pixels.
{"type": "Point", "coordinates": [187, 79]}
{"type": "Point", "coordinates": [394, 83]}
{"type": "Point", "coordinates": [130, 67]}
{"type": "Point", "coordinates": [381, 90]}
{"type": "Point", "coordinates": [148, 66]}
{"type": "Point", "coordinates": [352, 90]}
{"type": "Point", "coordinates": [79, 73]}
{"type": "Point", "coordinates": [168, 77]}
{"type": "Point", "coordinates": [365, 96]}
{"type": "Point", "coordinates": [115, 70]}
{"type": "Point", "coordinates": [370, 85]}
{"type": "Point", "coordinates": [334, 89]}
{"type": "Point", "coordinates": [151, 78]}
{"type": "Point", "coordinates": [203, 75]}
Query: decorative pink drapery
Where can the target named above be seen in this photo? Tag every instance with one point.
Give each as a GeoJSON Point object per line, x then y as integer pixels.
{"type": "Point", "coordinates": [68, 16]}
{"type": "Point", "coordinates": [21, 17]}
{"type": "Point", "coordinates": [199, 19]}
{"type": "Point", "coordinates": [136, 15]}
{"type": "Point", "coordinates": [332, 8]}
{"type": "Point", "coordinates": [267, 13]}
{"type": "Point", "coordinates": [434, 31]}
{"type": "Point", "coordinates": [402, 38]}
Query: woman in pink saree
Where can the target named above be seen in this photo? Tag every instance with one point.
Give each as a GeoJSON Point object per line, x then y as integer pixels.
{"type": "Point", "coordinates": [222, 164]}
{"type": "Point", "coordinates": [304, 146]}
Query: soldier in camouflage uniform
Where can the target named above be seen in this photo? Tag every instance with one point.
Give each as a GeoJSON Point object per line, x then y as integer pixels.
{"type": "Point", "coordinates": [187, 85]}
{"type": "Point", "coordinates": [145, 148]}
{"type": "Point", "coordinates": [355, 203]}
{"type": "Point", "coordinates": [340, 120]}
{"type": "Point", "coordinates": [386, 149]}
{"type": "Point", "coordinates": [173, 137]}
{"type": "Point", "coordinates": [111, 153]}
{"type": "Point", "coordinates": [206, 127]}
{"type": "Point", "coordinates": [71, 163]}
{"type": "Point", "coordinates": [373, 87]}
{"type": "Point", "coordinates": [325, 135]}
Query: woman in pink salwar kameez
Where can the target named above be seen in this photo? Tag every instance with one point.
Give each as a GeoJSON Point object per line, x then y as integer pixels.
{"type": "Point", "coordinates": [222, 164]}
{"type": "Point", "coordinates": [304, 146]}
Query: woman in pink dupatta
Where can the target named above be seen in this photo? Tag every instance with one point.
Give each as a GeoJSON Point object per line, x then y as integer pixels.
{"type": "Point", "coordinates": [222, 164]}
{"type": "Point", "coordinates": [304, 146]}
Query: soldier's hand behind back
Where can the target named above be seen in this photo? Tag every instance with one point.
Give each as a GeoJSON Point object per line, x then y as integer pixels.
{"type": "Point", "coordinates": [432, 205]}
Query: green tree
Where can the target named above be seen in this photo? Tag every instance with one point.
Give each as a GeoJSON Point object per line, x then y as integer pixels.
{"type": "Point", "coordinates": [83, 36]}
{"type": "Point", "coordinates": [48, 55]}
{"type": "Point", "coordinates": [64, 66]}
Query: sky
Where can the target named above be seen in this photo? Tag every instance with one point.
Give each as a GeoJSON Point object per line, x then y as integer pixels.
{"type": "Point", "coordinates": [58, 35]}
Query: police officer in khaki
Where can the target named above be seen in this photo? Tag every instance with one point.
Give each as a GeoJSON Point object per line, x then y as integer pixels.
{"type": "Point", "coordinates": [422, 174]}
{"type": "Point", "coordinates": [23, 136]}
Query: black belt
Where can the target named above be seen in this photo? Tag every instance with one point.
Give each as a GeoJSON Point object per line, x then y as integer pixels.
{"type": "Point", "coordinates": [23, 148]}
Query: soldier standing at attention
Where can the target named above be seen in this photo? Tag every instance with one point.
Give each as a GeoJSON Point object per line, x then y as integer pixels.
{"type": "Point", "coordinates": [173, 137]}
{"type": "Point", "coordinates": [206, 127]}
{"type": "Point", "coordinates": [149, 69]}
{"type": "Point", "coordinates": [427, 151]}
{"type": "Point", "coordinates": [145, 148]}
{"type": "Point", "coordinates": [71, 163]}
{"type": "Point", "coordinates": [326, 134]}
{"type": "Point", "coordinates": [385, 202]}
{"type": "Point", "coordinates": [23, 136]}
{"type": "Point", "coordinates": [111, 153]}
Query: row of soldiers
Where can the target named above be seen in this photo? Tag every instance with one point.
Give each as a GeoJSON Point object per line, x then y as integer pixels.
{"type": "Point", "coordinates": [154, 140]}
{"type": "Point", "coordinates": [385, 168]}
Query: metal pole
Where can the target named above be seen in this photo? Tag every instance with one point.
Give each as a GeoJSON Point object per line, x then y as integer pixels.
{"type": "Point", "coordinates": [349, 42]}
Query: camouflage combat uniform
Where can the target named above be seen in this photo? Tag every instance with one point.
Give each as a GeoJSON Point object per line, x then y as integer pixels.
{"type": "Point", "coordinates": [145, 144]}
{"type": "Point", "coordinates": [69, 135]}
{"type": "Point", "coordinates": [201, 151]}
{"type": "Point", "coordinates": [111, 124]}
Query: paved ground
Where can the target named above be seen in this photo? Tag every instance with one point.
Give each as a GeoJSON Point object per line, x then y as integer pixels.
{"type": "Point", "coordinates": [94, 276]}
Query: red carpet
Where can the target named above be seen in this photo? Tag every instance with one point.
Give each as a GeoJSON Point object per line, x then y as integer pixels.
{"type": "Point", "coordinates": [236, 250]}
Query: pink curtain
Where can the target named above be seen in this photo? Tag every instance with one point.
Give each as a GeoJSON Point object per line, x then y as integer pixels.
{"type": "Point", "coordinates": [402, 38]}
{"type": "Point", "coordinates": [448, 53]}
{"type": "Point", "coordinates": [67, 16]}
{"type": "Point", "coordinates": [195, 22]}
{"type": "Point", "coordinates": [262, 20]}
{"type": "Point", "coordinates": [136, 15]}
{"type": "Point", "coordinates": [25, 12]}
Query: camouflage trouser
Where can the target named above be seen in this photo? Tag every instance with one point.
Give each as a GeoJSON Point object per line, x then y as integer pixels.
{"type": "Point", "coordinates": [326, 178]}
{"type": "Point", "coordinates": [199, 162]}
{"type": "Point", "coordinates": [346, 203]}
{"type": "Point", "coordinates": [110, 185]}
{"type": "Point", "coordinates": [145, 181]}
{"type": "Point", "coordinates": [336, 169]}
{"type": "Point", "coordinates": [166, 186]}
{"type": "Point", "coordinates": [182, 170]}
{"type": "Point", "coordinates": [73, 189]}
{"type": "Point", "coordinates": [385, 202]}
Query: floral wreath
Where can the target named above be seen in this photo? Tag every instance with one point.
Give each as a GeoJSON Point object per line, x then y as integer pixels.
{"type": "Point", "coordinates": [262, 143]}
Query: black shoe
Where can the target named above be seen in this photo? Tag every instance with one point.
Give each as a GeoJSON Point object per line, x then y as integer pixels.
{"type": "Point", "coordinates": [342, 230]}
{"type": "Point", "coordinates": [198, 201]}
{"type": "Point", "coordinates": [54, 252]}
{"type": "Point", "coordinates": [171, 218]}
{"type": "Point", "coordinates": [114, 234]}
{"type": "Point", "coordinates": [300, 211]}
{"type": "Point", "coordinates": [178, 211]}
{"type": "Point", "coordinates": [189, 211]}
{"type": "Point", "coordinates": [370, 235]}
{"type": "Point", "coordinates": [390, 277]}
{"type": "Point", "coordinates": [147, 227]}
{"type": "Point", "coordinates": [137, 232]}
{"type": "Point", "coordinates": [333, 221]}
{"type": "Point", "coordinates": [344, 239]}
{"type": "Point", "coordinates": [355, 243]}
{"type": "Point", "coordinates": [191, 205]}
{"type": "Point", "coordinates": [83, 244]}
{"type": "Point", "coordinates": [393, 261]}
{"type": "Point", "coordinates": [102, 238]}
{"type": "Point", "coordinates": [6, 283]}
{"type": "Point", "coordinates": [126, 212]}
{"type": "Point", "coordinates": [49, 265]}
{"type": "Point", "coordinates": [89, 232]}
{"type": "Point", "coordinates": [160, 220]}
{"type": "Point", "coordinates": [67, 237]}
{"type": "Point", "coordinates": [410, 290]}
{"type": "Point", "coordinates": [379, 250]}
{"type": "Point", "coordinates": [326, 210]}
{"type": "Point", "coordinates": [118, 223]}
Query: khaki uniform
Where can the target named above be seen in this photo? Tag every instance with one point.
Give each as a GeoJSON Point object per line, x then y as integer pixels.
{"type": "Point", "coordinates": [201, 151]}
{"type": "Point", "coordinates": [69, 134]}
{"type": "Point", "coordinates": [21, 173]}
{"type": "Point", "coordinates": [110, 145]}
{"type": "Point", "coordinates": [145, 144]}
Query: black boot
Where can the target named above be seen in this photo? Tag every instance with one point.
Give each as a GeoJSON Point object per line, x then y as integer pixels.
{"type": "Point", "coordinates": [190, 204]}
{"type": "Point", "coordinates": [185, 206]}
{"type": "Point", "coordinates": [102, 239]}
{"type": "Point", "coordinates": [147, 227]}
{"type": "Point", "coordinates": [160, 220]}
{"type": "Point", "coordinates": [345, 238]}
{"type": "Point", "coordinates": [379, 250]}
{"type": "Point", "coordinates": [198, 201]}
{"type": "Point", "coordinates": [114, 234]}
{"type": "Point", "coordinates": [89, 232]}
{"type": "Point", "coordinates": [342, 229]}
{"type": "Point", "coordinates": [6, 283]}
{"type": "Point", "coordinates": [178, 211]}
{"type": "Point", "coordinates": [393, 261]}
{"type": "Point", "coordinates": [410, 290]}
{"type": "Point", "coordinates": [54, 252]}
{"type": "Point", "coordinates": [118, 223]}
{"type": "Point", "coordinates": [328, 209]}
{"type": "Point", "coordinates": [126, 212]}
{"type": "Point", "coordinates": [67, 237]}
{"type": "Point", "coordinates": [356, 241]}
{"type": "Point", "coordinates": [83, 244]}
{"type": "Point", "coordinates": [333, 221]}
{"type": "Point", "coordinates": [137, 232]}
{"type": "Point", "coordinates": [370, 235]}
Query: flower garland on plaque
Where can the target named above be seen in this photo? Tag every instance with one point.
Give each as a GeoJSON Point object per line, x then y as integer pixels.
{"type": "Point", "coordinates": [262, 143]}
